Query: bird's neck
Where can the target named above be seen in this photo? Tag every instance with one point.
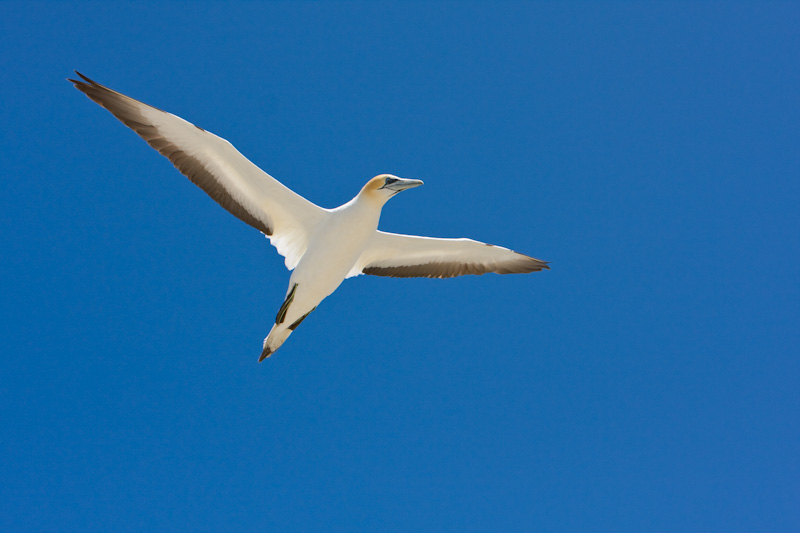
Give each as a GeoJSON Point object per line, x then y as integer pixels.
{"type": "Point", "coordinates": [362, 207]}
{"type": "Point", "coordinates": [371, 199]}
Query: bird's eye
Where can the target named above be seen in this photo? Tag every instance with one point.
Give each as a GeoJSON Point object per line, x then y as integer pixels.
{"type": "Point", "coordinates": [389, 181]}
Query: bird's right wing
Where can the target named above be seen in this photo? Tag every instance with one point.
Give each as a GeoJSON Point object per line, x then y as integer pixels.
{"type": "Point", "coordinates": [214, 165]}
{"type": "Point", "coordinates": [409, 256]}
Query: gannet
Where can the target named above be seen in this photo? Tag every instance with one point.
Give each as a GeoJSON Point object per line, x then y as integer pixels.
{"type": "Point", "coordinates": [322, 247]}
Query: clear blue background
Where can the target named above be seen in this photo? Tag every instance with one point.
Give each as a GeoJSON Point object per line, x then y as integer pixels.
{"type": "Point", "coordinates": [649, 382]}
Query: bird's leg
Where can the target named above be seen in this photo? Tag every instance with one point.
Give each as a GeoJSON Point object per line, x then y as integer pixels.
{"type": "Point", "coordinates": [285, 306]}
{"type": "Point", "coordinates": [297, 322]}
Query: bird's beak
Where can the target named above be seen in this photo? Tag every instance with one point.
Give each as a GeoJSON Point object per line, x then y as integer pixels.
{"type": "Point", "coordinates": [402, 184]}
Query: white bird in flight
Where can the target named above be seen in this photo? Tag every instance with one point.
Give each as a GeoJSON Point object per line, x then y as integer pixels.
{"type": "Point", "coordinates": [322, 247]}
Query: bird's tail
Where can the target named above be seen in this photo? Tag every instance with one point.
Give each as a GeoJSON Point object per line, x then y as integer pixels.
{"type": "Point", "coordinates": [277, 336]}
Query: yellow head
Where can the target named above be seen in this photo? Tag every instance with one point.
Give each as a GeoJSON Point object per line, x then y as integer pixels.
{"type": "Point", "coordinates": [384, 186]}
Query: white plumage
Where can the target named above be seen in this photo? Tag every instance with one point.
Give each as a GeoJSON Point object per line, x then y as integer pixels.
{"type": "Point", "coordinates": [322, 247]}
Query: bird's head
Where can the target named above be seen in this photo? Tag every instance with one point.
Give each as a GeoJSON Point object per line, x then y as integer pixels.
{"type": "Point", "coordinates": [382, 187]}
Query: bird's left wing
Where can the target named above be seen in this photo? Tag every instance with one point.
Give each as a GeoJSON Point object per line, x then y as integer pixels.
{"type": "Point", "coordinates": [214, 165]}
{"type": "Point", "coordinates": [409, 256]}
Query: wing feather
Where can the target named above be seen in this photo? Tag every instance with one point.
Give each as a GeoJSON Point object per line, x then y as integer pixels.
{"type": "Point", "coordinates": [410, 256]}
{"type": "Point", "coordinates": [214, 165]}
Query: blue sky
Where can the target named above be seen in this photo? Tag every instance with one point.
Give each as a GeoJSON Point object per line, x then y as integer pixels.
{"type": "Point", "coordinates": [648, 382]}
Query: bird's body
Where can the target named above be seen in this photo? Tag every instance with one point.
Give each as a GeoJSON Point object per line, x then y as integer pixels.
{"type": "Point", "coordinates": [333, 249]}
{"type": "Point", "coordinates": [322, 247]}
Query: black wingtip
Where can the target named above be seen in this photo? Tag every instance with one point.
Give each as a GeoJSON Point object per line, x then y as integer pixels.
{"type": "Point", "coordinates": [85, 81]}
{"type": "Point", "coordinates": [85, 78]}
{"type": "Point", "coordinates": [77, 83]}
